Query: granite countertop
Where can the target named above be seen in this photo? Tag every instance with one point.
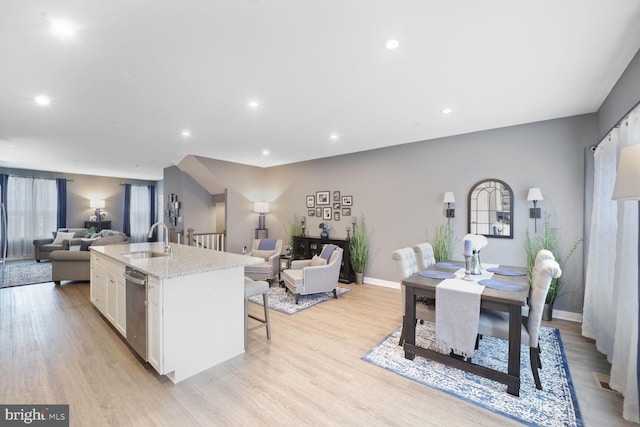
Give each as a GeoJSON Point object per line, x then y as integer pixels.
{"type": "Point", "coordinates": [183, 260]}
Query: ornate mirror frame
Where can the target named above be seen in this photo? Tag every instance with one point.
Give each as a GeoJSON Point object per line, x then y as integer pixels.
{"type": "Point", "coordinates": [491, 209]}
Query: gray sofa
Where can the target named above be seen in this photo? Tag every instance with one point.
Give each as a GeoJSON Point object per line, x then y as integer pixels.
{"type": "Point", "coordinates": [44, 247]}
{"type": "Point", "coordinates": [71, 264]}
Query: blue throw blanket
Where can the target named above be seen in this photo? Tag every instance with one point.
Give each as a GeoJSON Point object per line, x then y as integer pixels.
{"type": "Point", "coordinates": [327, 251]}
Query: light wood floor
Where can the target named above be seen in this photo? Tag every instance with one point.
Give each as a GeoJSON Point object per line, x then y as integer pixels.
{"type": "Point", "coordinates": [55, 348]}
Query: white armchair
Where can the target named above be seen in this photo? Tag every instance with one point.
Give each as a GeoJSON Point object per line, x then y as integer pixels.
{"type": "Point", "coordinates": [269, 250]}
{"type": "Point", "coordinates": [313, 276]}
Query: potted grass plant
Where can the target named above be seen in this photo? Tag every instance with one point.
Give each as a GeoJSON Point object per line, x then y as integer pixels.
{"type": "Point", "coordinates": [359, 249]}
{"type": "Point", "coordinates": [550, 240]}
{"type": "Point", "coordinates": [295, 229]}
{"type": "Point", "coordinates": [444, 242]}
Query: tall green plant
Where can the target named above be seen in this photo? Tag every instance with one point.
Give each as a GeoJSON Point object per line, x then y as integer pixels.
{"type": "Point", "coordinates": [549, 240]}
{"type": "Point", "coordinates": [444, 243]}
{"type": "Point", "coordinates": [359, 246]}
{"type": "Point", "coordinates": [295, 229]}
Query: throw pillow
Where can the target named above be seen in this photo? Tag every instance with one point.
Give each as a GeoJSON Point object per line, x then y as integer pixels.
{"type": "Point", "coordinates": [84, 245]}
{"type": "Point", "coordinates": [267, 245]}
{"type": "Point", "coordinates": [63, 235]}
{"type": "Point", "coordinates": [316, 260]}
{"type": "Point", "coordinates": [262, 254]}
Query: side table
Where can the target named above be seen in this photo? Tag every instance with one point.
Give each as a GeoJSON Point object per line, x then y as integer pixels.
{"type": "Point", "coordinates": [285, 263]}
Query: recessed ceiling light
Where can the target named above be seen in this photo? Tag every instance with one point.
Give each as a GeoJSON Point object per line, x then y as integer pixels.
{"type": "Point", "coordinates": [446, 110]}
{"type": "Point", "coordinates": [333, 137]}
{"type": "Point", "coordinates": [42, 100]}
{"type": "Point", "coordinates": [186, 133]}
{"type": "Point", "coordinates": [392, 44]}
{"type": "Point", "coordinates": [254, 104]}
{"type": "Point", "coordinates": [265, 152]}
{"type": "Point", "coordinates": [63, 29]}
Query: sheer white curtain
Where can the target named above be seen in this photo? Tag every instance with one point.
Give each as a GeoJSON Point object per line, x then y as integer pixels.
{"type": "Point", "coordinates": [139, 213]}
{"type": "Point", "coordinates": [31, 210]}
{"type": "Point", "coordinates": [610, 313]}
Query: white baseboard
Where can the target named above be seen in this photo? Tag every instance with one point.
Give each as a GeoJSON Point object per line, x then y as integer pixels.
{"type": "Point", "coordinates": [557, 314]}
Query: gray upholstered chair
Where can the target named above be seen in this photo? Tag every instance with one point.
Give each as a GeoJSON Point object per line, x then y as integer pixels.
{"type": "Point", "coordinates": [496, 324]}
{"type": "Point", "coordinates": [269, 250]}
{"type": "Point", "coordinates": [406, 263]}
{"type": "Point", "coordinates": [424, 255]}
{"type": "Point", "coordinates": [312, 276]}
{"type": "Point", "coordinates": [253, 288]}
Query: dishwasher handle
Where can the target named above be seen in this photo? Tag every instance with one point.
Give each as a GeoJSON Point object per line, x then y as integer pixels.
{"type": "Point", "coordinates": [134, 279]}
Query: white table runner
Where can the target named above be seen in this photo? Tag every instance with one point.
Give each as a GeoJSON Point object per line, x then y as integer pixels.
{"type": "Point", "coordinates": [458, 314]}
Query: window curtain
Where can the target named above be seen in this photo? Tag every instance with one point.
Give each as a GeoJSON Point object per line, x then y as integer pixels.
{"type": "Point", "coordinates": [138, 205]}
{"type": "Point", "coordinates": [152, 210]}
{"type": "Point", "coordinates": [126, 227]}
{"type": "Point", "coordinates": [610, 314]}
{"type": "Point", "coordinates": [61, 185]}
{"type": "Point", "coordinates": [32, 208]}
{"type": "Point", "coordinates": [3, 212]}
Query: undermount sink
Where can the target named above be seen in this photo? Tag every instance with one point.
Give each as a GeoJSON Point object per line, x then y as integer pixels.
{"type": "Point", "coordinates": [144, 254]}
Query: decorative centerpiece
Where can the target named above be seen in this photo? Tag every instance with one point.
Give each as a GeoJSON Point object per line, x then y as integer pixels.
{"type": "Point", "coordinates": [325, 226]}
{"type": "Point", "coordinates": [472, 245]}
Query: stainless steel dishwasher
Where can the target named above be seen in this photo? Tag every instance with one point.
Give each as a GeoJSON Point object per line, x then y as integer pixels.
{"type": "Point", "coordinates": [137, 310]}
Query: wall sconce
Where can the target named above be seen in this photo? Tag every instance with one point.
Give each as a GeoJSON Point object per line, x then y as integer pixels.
{"type": "Point", "coordinates": [534, 196]}
{"type": "Point", "coordinates": [97, 205]}
{"type": "Point", "coordinates": [261, 208]}
{"type": "Point", "coordinates": [448, 199]}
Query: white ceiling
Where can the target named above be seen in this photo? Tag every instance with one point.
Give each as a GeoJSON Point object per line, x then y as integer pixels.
{"type": "Point", "coordinates": [139, 72]}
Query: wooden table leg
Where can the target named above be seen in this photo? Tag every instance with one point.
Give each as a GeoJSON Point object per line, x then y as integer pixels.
{"type": "Point", "coordinates": [515, 337]}
{"type": "Point", "coordinates": [409, 326]}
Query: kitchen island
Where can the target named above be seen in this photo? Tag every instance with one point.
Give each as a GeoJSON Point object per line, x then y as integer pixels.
{"type": "Point", "coordinates": [194, 302]}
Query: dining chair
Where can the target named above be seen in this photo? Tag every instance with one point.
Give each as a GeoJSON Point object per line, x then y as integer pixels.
{"type": "Point", "coordinates": [424, 255]}
{"type": "Point", "coordinates": [496, 324]}
{"type": "Point", "coordinates": [407, 265]}
{"type": "Point", "coordinates": [253, 288]}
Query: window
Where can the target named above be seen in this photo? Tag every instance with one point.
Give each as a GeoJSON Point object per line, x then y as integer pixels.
{"type": "Point", "coordinates": [139, 213]}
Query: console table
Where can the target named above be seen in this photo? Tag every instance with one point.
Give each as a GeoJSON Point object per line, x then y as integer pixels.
{"type": "Point", "coordinates": [307, 247]}
{"type": "Point", "coordinates": [98, 225]}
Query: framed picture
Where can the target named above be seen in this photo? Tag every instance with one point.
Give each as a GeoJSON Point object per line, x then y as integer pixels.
{"type": "Point", "coordinates": [336, 216]}
{"type": "Point", "coordinates": [347, 200]}
{"type": "Point", "coordinates": [336, 196]}
{"type": "Point", "coordinates": [326, 213]}
{"type": "Point", "coordinates": [318, 212]}
{"type": "Point", "coordinates": [346, 211]}
{"type": "Point", "coordinates": [322, 197]}
{"type": "Point", "coordinates": [336, 205]}
{"type": "Point", "coordinates": [311, 212]}
{"type": "Point", "coordinates": [311, 202]}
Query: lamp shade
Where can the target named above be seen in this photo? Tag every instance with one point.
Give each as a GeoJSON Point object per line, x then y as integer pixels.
{"type": "Point", "coordinates": [261, 207]}
{"type": "Point", "coordinates": [534, 195]}
{"type": "Point", "coordinates": [449, 197]}
{"type": "Point", "coordinates": [628, 177]}
{"type": "Point", "coordinates": [96, 204]}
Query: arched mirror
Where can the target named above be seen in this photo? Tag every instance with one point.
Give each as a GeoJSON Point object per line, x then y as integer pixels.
{"type": "Point", "coordinates": [491, 209]}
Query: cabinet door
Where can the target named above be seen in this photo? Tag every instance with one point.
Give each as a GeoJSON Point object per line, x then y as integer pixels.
{"type": "Point", "coordinates": [111, 298]}
{"type": "Point", "coordinates": [98, 290]}
{"type": "Point", "coordinates": [155, 346]}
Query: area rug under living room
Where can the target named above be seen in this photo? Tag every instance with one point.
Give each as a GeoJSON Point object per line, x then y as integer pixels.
{"type": "Point", "coordinates": [555, 405]}
{"type": "Point", "coordinates": [17, 273]}
{"type": "Point", "coordinates": [285, 302]}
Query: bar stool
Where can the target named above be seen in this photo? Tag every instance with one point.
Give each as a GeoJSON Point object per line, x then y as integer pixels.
{"type": "Point", "coordinates": [253, 288]}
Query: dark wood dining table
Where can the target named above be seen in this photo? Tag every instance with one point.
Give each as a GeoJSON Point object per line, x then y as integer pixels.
{"type": "Point", "coordinates": [493, 299]}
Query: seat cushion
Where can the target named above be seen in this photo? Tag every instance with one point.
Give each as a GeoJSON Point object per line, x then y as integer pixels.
{"type": "Point", "coordinates": [254, 287]}
{"type": "Point", "coordinates": [295, 277]}
{"type": "Point", "coordinates": [263, 267]}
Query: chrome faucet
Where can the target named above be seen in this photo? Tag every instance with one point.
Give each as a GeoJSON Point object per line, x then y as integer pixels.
{"type": "Point", "coordinates": [167, 248]}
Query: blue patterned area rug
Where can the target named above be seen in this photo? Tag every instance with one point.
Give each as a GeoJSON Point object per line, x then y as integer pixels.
{"type": "Point", "coordinates": [555, 405]}
{"type": "Point", "coordinates": [17, 273]}
{"type": "Point", "coordinates": [285, 302]}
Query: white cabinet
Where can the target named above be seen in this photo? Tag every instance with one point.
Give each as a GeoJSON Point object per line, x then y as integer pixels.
{"type": "Point", "coordinates": [98, 288]}
{"type": "Point", "coordinates": [154, 325]}
{"type": "Point", "coordinates": [108, 291]}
